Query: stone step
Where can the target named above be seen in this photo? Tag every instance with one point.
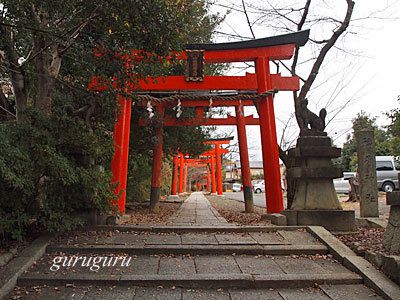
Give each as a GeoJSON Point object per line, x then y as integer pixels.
{"type": "Point", "coordinates": [323, 292]}
{"type": "Point", "coordinates": [192, 249]}
{"type": "Point", "coordinates": [194, 281]}
{"type": "Point", "coordinates": [188, 271]}
{"type": "Point", "coordinates": [253, 237]}
{"type": "Point", "coordinates": [201, 228]}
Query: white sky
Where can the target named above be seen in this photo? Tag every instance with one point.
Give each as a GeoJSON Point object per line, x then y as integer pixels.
{"type": "Point", "coordinates": [365, 74]}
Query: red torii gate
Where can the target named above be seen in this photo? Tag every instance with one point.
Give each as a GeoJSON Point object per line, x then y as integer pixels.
{"type": "Point", "coordinates": [192, 162]}
{"type": "Point", "coordinates": [259, 51]}
{"type": "Point", "coordinates": [208, 158]}
{"type": "Point", "coordinates": [217, 153]}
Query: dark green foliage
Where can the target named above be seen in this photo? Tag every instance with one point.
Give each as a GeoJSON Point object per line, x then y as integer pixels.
{"type": "Point", "coordinates": [394, 130]}
{"type": "Point", "coordinates": [48, 173]}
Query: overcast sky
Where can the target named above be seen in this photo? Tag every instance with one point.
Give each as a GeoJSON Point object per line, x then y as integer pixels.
{"type": "Point", "coordinates": [362, 72]}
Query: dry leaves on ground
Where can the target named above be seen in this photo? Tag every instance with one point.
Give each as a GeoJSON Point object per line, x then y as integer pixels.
{"type": "Point", "coordinates": [233, 212]}
{"type": "Point", "coordinates": [367, 238]}
{"type": "Point", "coordinates": [142, 215]}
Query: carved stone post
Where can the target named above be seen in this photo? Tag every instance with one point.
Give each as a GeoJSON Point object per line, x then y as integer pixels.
{"type": "Point", "coordinates": [367, 173]}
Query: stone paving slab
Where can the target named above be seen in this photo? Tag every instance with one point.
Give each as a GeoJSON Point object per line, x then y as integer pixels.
{"type": "Point", "coordinates": [180, 265]}
{"type": "Point", "coordinates": [235, 239]}
{"type": "Point", "coordinates": [171, 239]}
{"type": "Point", "coordinates": [208, 264]}
{"type": "Point", "coordinates": [205, 295]}
{"type": "Point", "coordinates": [197, 210]}
{"type": "Point", "coordinates": [258, 265]}
{"type": "Point", "coordinates": [120, 293]}
{"type": "Point", "coordinates": [154, 293]}
{"type": "Point", "coordinates": [255, 294]}
{"type": "Point", "coordinates": [325, 292]}
{"type": "Point", "coordinates": [269, 238]}
{"type": "Point", "coordinates": [139, 265]}
{"type": "Point", "coordinates": [198, 239]}
{"type": "Point", "coordinates": [299, 265]}
{"type": "Point", "coordinates": [301, 237]}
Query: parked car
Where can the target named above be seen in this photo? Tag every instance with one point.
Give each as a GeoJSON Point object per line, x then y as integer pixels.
{"type": "Point", "coordinates": [386, 173]}
{"type": "Point", "coordinates": [255, 182]}
{"type": "Point", "coordinates": [237, 187]}
{"type": "Point", "coordinates": [342, 185]}
{"type": "Point", "coordinates": [259, 187]}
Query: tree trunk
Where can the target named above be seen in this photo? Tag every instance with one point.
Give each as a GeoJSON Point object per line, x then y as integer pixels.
{"type": "Point", "coordinates": [17, 74]}
{"type": "Point", "coordinates": [43, 80]}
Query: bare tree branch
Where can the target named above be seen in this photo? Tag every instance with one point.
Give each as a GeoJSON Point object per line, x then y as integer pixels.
{"type": "Point", "coordinates": [318, 63]}
{"type": "Point", "coordinates": [248, 20]}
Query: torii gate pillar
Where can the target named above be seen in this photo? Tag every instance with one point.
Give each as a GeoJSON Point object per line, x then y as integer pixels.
{"type": "Point", "coordinates": [119, 164]}
{"type": "Point", "coordinates": [156, 175]}
{"type": "Point", "coordinates": [181, 166]}
{"type": "Point", "coordinates": [208, 187]}
{"type": "Point", "coordinates": [174, 176]}
{"type": "Point", "coordinates": [213, 181]}
{"type": "Point", "coordinates": [185, 174]}
{"type": "Point", "coordinates": [219, 169]}
{"type": "Point", "coordinates": [270, 153]}
{"type": "Point", "coordinates": [244, 160]}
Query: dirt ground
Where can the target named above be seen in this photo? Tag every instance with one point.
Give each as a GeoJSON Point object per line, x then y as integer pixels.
{"type": "Point", "coordinates": [233, 211]}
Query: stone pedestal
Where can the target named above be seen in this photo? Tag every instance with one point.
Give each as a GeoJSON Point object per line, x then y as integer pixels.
{"type": "Point", "coordinates": [391, 238]}
{"type": "Point", "coordinates": [315, 200]}
{"type": "Point", "coordinates": [367, 173]}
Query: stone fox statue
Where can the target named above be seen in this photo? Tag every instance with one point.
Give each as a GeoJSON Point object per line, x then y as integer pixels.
{"type": "Point", "coordinates": [317, 123]}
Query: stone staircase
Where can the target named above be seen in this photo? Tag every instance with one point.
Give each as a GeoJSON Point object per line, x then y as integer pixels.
{"type": "Point", "coordinates": [190, 260]}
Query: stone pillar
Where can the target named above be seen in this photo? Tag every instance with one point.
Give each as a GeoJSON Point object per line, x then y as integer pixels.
{"type": "Point", "coordinates": [365, 144]}
{"type": "Point", "coordinates": [315, 201]}
{"type": "Point", "coordinates": [391, 238]}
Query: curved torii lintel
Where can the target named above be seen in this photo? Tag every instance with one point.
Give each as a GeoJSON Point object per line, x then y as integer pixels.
{"type": "Point", "coordinates": [299, 38]}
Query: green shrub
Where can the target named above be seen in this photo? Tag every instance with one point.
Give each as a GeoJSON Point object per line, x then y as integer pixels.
{"type": "Point", "coordinates": [51, 167]}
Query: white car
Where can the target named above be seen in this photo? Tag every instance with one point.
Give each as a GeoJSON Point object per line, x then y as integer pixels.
{"type": "Point", "coordinates": [259, 187]}
{"type": "Point", "coordinates": [342, 185]}
{"type": "Point", "coordinates": [237, 187]}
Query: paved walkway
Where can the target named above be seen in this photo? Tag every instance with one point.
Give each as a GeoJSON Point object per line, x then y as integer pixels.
{"type": "Point", "coordinates": [197, 211]}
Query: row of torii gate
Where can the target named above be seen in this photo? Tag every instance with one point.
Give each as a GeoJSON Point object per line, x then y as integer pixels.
{"type": "Point", "coordinates": [198, 91]}
{"type": "Point", "coordinates": [210, 160]}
